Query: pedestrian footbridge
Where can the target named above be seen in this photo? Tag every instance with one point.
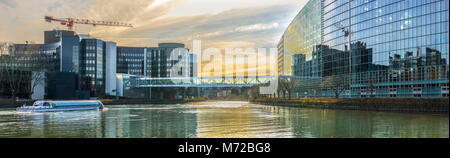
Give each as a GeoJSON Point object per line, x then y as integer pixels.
{"type": "Point", "coordinates": [202, 82]}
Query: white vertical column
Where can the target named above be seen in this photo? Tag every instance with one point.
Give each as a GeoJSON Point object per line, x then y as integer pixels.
{"type": "Point", "coordinates": [145, 62]}
{"type": "Point", "coordinates": [110, 68]}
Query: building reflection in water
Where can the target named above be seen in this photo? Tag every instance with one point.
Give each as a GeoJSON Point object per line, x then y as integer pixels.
{"type": "Point", "coordinates": [324, 123]}
{"type": "Point", "coordinates": [149, 122]}
{"type": "Point", "coordinates": [221, 120]}
{"type": "Point", "coordinates": [237, 120]}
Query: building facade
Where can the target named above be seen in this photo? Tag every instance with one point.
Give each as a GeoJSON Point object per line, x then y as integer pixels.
{"type": "Point", "coordinates": [110, 49]}
{"type": "Point", "coordinates": [155, 62]}
{"type": "Point", "coordinates": [193, 65]}
{"type": "Point", "coordinates": [130, 60]}
{"type": "Point", "coordinates": [301, 36]}
{"type": "Point", "coordinates": [91, 65]}
{"type": "Point", "coordinates": [393, 48]}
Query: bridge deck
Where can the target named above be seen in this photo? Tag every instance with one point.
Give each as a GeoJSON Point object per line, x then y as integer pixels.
{"type": "Point", "coordinates": [141, 82]}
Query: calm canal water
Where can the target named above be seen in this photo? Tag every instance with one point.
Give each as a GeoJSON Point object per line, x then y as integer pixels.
{"type": "Point", "coordinates": [220, 120]}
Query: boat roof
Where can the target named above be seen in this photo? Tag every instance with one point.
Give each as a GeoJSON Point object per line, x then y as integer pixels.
{"type": "Point", "coordinates": [41, 102]}
{"type": "Point", "coordinates": [66, 101]}
{"type": "Point", "coordinates": [69, 102]}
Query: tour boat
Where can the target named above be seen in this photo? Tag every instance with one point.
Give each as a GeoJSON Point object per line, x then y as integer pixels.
{"type": "Point", "coordinates": [54, 106]}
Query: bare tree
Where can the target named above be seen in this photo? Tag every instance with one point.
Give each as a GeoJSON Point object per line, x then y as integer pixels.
{"type": "Point", "coordinates": [35, 79]}
{"type": "Point", "coordinates": [336, 83]}
{"type": "Point", "coordinates": [287, 84]}
{"type": "Point", "coordinates": [12, 75]}
{"type": "Point", "coordinates": [18, 66]}
{"type": "Point", "coordinates": [253, 92]}
{"type": "Point", "coordinates": [4, 46]}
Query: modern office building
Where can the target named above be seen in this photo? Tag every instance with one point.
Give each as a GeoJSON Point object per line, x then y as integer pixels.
{"type": "Point", "coordinates": [155, 62]}
{"type": "Point", "coordinates": [395, 48]}
{"type": "Point", "coordinates": [171, 60]}
{"type": "Point", "coordinates": [59, 53]}
{"type": "Point", "coordinates": [165, 61]}
{"type": "Point", "coordinates": [21, 61]}
{"type": "Point", "coordinates": [131, 60]}
{"type": "Point", "coordinates": [66, 44]}
{"type": "Point", "coordinates": [92, 66]}
{"type": "Point", "coordinates": [301, 36]}
{"type": "Point", "coordinates": [193, 65]}
{"type": "Point", "coordinates": [89, 66]}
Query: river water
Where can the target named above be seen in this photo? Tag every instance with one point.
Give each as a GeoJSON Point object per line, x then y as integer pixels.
{"type": "Point", "coordinates": [220, 120]}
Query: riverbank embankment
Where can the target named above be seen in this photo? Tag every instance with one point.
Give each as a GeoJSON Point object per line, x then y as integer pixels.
{"type": "Point", "coordinates": [413, 105]}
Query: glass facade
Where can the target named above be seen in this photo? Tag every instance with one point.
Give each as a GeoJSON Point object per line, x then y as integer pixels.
{"type": "Point", "coordinates": [153, 62]}
{"type": "Point", "coordinates": [395, 48]}
{"type": "Point", "coordinates": [92, 67]}
{"type": "Point", "coordinates": [193, 65]}
{"type": "Point", "coordinates": [19, 61]}
{"type": "Point", "coordinates": [300, 37]}
{"type": "Point", "coordinates": [130, 60]}
{"type": "Point", "coordinates": [93, 61]}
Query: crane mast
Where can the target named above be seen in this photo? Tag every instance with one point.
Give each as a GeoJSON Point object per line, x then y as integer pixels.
{"type": "Point", "coordinates": [69, 22]}
{"type": "Point", "coordinates": [345, 30]}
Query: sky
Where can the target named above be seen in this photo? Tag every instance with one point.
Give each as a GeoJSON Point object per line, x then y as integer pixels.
{"type": "Point", "coordinates": [217, 23]}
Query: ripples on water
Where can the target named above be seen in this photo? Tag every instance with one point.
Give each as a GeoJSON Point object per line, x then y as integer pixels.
{"type": "Point", "coordinates": [219, 120]}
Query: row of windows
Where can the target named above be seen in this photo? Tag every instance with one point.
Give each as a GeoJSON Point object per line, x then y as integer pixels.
{"type": "Point", "coordinates": [131, 54]}
{"type": "Point", "coordinates": [329, 5]}
{"type": "Point", "coordinates": [439, 41]}
{"type": "Point", "coordinates": [391, 6]}
{"type": "Point", "coordinates": [413, 37]}
{"type": "Point", "coordinates": [397, 14]}
{"type": "Point", "coordinates": [380, 28]}
{"type": "Point", "coordinates": [389, 14]}
{"type": "Point", "coordinates": [405, 75]}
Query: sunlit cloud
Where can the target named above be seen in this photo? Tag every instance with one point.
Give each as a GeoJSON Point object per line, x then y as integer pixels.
{"type": "Point", "coordinates": [154, 20]}
{"type": "Point", "coordinates": [257, 27]}
{"type": "Point", "coordinates": [157, 3]}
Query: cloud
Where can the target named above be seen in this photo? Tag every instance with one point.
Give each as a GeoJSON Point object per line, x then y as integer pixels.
{"type": "Point", "coordinates": [258, 25]}
{"type": "Point", "coordinates": [8, 3]}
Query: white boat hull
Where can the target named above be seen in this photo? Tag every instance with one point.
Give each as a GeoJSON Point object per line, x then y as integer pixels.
{"type": "Point", "coordinates": [21, 109]}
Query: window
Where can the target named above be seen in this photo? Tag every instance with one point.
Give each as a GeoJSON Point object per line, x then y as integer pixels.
{"type": "Point", "coordinates": [393, 92]}
{"type": "Point", "coordinates": [417, 91]}
{"type": "Point", "coordinates": [444, 91]}
{"type": "Point", "coordinates": [363, 93]}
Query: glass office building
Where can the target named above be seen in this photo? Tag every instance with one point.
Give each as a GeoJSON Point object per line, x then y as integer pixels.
{"type": "Point", "coordinates": [92, 67]}
{"type": "Point", "coordinates": [169, 60]}
{"type": "Point", "coordinates": [395, 48]}
{"type": "Point", "coordinates": [130, 60]}
{"type": "Point", "coordinates": [155, 62]}
{"type": "Point", "coordinates": [193, 65]}
{"type": "Point", "coordinates": [300, 37]}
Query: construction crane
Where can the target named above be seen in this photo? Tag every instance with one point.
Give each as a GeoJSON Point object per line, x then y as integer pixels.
{"type": "Point", "coordinates": [345, 30]}
{"type": "Point", "coordinates": [69, 22]}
